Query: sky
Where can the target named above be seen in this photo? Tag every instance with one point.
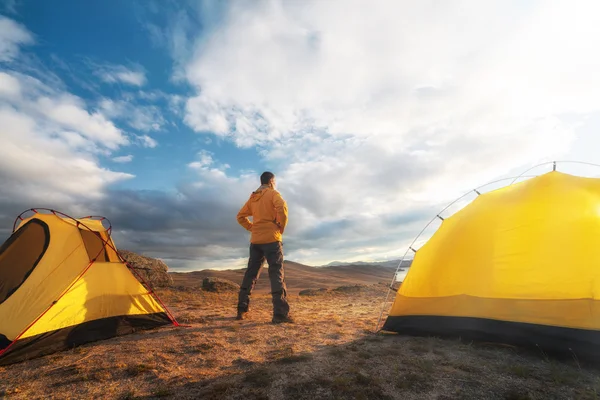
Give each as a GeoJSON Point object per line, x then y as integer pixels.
{"type": "Point", "coordinates": [161, 115]}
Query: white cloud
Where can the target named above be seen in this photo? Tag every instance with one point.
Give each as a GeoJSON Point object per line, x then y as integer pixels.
{"type": "Point", "coordinates": [123, 159]}
{"type": "Point", "coordinates": [9, 86]}
{"type": "Point", "coordinates": [204, 160]}
{"type": "Point", "coordinates": [206, 116]}
{"type": "Point", "coordinates": [41, 164]}
{"type": "Point", "coordinates": [143, 118]}
{"type": "Point", "coordinates": [348, 78]}
{"type": "Point", "coordinates": [121, 74]}
{"type": "Point", "coordinates": [398, 106]}
{"type": "Point", "coordinates": [12, 35]}
{"type": "Point", "coordinates": [50, 141]}
{"type": "Point", "coordinates": [176, 103]}
{"type": "Point", "coordinates": [61, 110]}
{"type": "Point", "coordinates": [68, 111]}
{"type": "Point", "coordinates": [213, 174]}
{"type": "Point", "coordinates": [147, 141]}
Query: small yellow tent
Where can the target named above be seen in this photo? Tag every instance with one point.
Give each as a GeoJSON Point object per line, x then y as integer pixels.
{"type": "Point", "coordinates": [518, 265]}
{"type": "Point", "coordinates": [62, 284]}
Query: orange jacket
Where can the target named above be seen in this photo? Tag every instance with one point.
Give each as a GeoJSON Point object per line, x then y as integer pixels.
{"type": "Point", "coordinates": [269, 215]}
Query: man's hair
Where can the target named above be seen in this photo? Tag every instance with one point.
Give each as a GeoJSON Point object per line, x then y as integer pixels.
{"type": "Point", "coordinates": [266, 177]}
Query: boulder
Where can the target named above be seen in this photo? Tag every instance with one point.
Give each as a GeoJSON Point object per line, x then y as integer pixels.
{"type": "Point", "coordinates": [313, 292]}
{"type": "Point", "coordinates": [154, 271]}
{"type": "Point", "coordinates": [394, 287]}
{"type": "Point", "coordinates": [351, 289]}
{"type": "Point", "coordinates": [219, 285]}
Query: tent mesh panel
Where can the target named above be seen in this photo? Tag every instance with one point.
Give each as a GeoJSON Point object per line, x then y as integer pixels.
{"type": "Point", "coordinates": [20, 254]}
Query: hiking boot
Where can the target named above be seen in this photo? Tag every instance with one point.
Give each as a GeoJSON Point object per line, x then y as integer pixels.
{"type": "Point", "coordinates": [281, 319]}
{"type": "Point", "coordinates": [241, 315]}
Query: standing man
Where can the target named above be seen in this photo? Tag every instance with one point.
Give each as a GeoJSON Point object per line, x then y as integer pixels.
{"type": "Point", "coordinates": [269, 218]}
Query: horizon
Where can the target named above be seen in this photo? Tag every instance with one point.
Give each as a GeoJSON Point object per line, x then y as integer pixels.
{"type": "Point", "coordinates": [331, 264]}
{"type": "Point", "coordinates": [161, 116]}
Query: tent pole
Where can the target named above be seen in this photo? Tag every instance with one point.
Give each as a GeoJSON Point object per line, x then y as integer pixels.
{"type": "Point", "coordinates": [388, 291]}
{"type": "Point", "coordinates": [554, 168]}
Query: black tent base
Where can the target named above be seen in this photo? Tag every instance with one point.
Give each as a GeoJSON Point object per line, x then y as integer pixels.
{"type": "Point", "coordinates": [91, 331]}
{"type": "Point", "coordinates": [559, 342]}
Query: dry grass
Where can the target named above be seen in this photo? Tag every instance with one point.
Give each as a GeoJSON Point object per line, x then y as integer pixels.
{"type": "Point", "coordinates": [330, 353]}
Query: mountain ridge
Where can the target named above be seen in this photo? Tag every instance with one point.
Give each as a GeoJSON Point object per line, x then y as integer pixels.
{"type": "Point", "coordinates": [388, 263]}
{"type": "Point", "coordinates": [297, 276]}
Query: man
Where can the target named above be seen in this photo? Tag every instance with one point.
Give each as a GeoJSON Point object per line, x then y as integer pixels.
{"type": "Point", "coordinates": [269, 218]}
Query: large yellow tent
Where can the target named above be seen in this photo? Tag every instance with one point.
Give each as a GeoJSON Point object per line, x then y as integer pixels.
{"type": "Point", "coordinates": [519, 265]}
{"type": "Point", "coordinates": [62, 284]}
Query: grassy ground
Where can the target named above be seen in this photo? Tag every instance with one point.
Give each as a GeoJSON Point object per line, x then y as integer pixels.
{"type": "Point", "coordinates": [330, 353]}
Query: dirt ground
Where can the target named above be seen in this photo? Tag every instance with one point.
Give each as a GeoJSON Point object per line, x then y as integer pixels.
{"type": "Point", "coordinates": [331, 352]}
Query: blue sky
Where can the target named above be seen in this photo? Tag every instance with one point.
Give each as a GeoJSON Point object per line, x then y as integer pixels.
{"type": "Point", "coordinates": [162, 114]}
{"type": "Point", "coordinates": [81, 43]}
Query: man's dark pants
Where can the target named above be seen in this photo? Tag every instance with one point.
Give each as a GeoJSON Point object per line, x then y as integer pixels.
{"type": "Point", "coordinates": [273, 253]}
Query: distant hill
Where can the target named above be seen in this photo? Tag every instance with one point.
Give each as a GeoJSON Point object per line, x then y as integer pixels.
{"type": "Point", "coordinates": [389, 264]}
{"type": "Point", "coordinates": [297, 276]}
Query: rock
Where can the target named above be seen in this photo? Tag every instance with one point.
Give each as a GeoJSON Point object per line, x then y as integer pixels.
{"type": "Point", "coordinates": [242, 362]}
{"type": "Point", "coordinates": [187, 289]}
{"type": "Point", "coordinates": [219, 285]}
{"type": "Point", "coordinates": [152, 270]}
{"type": "Point", "coordinates": [313, 292]}
{"type": "Point", "coordinates": [351, 289]}
{"type": "Point", "coordinates": [394, 287]}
